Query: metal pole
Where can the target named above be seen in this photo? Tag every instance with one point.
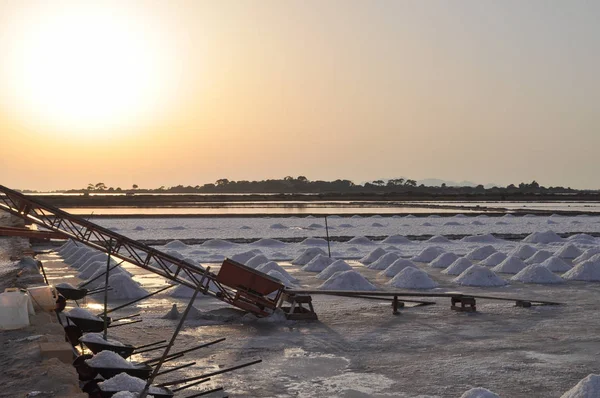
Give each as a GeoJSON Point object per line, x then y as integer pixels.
{"type": "Point", "coordinates": [106, 291]}
{"type": "Point", "coordinates": [327, 232]}
{"type": "Point", "coordinates": [144, 392]}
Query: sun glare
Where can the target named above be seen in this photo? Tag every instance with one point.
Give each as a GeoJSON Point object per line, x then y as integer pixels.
{"type": "Point", "coordinates": [85, 69]}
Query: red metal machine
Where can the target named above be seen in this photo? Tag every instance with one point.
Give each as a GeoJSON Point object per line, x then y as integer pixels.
{"type": "Point", "coordinates": [235, 284]}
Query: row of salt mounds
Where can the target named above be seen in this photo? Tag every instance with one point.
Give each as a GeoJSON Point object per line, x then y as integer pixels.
{"type": "Point", "coordinates": [87, 259]}
{"type": "Point", "coordinates": [318, 264]}
{"type": "Point", "coordinates": [374, 255]}
{"type": "Point", "coordinates": [556, 264]}
{"type": "Point", "coordinates": [99, 281]}
{"type": "Point", "coordinates": [92, 269]}
{"type": "Point", "coordinates": [396, 239]}
{"type": "Point", "coordinates": [384, 261]}
{"type": "Point", "coordinates": [268, 242]}
{"type": "Point", "coordinates": [412, 278]}
{"type": "Point", "coordinates": [539, 257]}
{"type": "Point", "coordinates": [481, 253]}
{"type": "Point", "coordinates": [273, 266]}
{"type": "Point", "coordinates": [443, 260]}
{"type": "Point", "coordinates": [511, 265]}
{"type": "Point", "coordinates": [523, 251]}
{"type": "Point", "coordinates": [308, 255]}
{"type": "Point", "coordinates": [536, 273]}
{"type": "Point", "coordinates": [477, 275]}
{"type": "Point", "coordinates": [494, 259]}
{"type": "Point", "coordinates": [543, 237]}
{"type": "Point", "coordinates": [569, 252]}
{"type": "Point", "coordinates": [487, 238]}
{"type": "Point", "coordinates": [428, 254]}
{"type": "Point", "coordinates": [397, 266]}
{"type": "Point", "coordinates": [585, 271]}
{"type": "Point", "coordinates": [336, 266]}
{"type": "Point", "coordinates": [458, 267]}
{"type": "Point", "coordinates": [245, 256]}
{"type": "Point", "coordinates": [586, 255]}
{"type": "Point", "coordinates": [479, 392]}
{"type": "Point", "coordinates": [589, 387]}
{"type": "Point", "coordinates": [347, 280]}
{"type": "Point", "coordinates": [257, 260]}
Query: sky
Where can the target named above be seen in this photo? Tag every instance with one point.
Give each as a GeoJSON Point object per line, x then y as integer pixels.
{"type": "Point", "coordinates": [186, 92]}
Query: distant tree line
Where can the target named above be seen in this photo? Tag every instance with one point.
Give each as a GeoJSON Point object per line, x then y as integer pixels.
{"type": "Point", "coordinates": [301, 184]}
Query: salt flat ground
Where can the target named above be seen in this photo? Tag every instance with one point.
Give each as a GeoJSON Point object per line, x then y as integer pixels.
{"type": "Point", "coordinates": [359, 349]}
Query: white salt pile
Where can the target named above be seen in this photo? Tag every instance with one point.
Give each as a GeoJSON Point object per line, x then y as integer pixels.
{"type": "Point", "coordinates": [176, 244]}
{"type": "Point", "coordinates": [373, 256]}
{"type": "Point", "coordinates": [280, 277]}
{"type": "Point", "coordinates": [384, 261]}
{"type": "Point", "coordinates": [427, 224]}
{"type": "Point", "coordinates": [511, 265]}
{"type": "Point", "coordinates": [396, 267]}
{"type": "Point", "coordinates": [336, 266]}
{"type": "Point", "coordinates": [556, 264]}
{"type": "Point", "coordinates": [493, 260]}
{"type": "Point", "coordinates": [268, 243]}
{"type": "Point", "coordinates": [412, 278]}
{"type": "Point", "coordinates": [586, 255]}
{"type": "Point", "coordinates": [108, 359]}
{"type": "Point", "coordinates": [439, 239]}
{"type": "Point", "coordinates": [99, 339]}
{"type": "Point", "coordinates": [583, 238]}
{"type": "Point", "coordinates": [256, 261]}
{"type": "Point", "coordinates": [82, 313]}
{"type": "Point", "coordinates": [314, 242]}
{"type": "Point", "coordinates": [479, 392]}
{"type": "Point", "coordinates": [443, 260]}
{"type": "Point", "coordinates": [487, 238]}
{"type": "Point", "coordinates": [360, 240]}
{"type": "Point", "coordinates": [377, 225]}
{"type": "Point", "coordinates": [481, 253]}
{"type": "Point", "coordinates": [537, 273]}
{"type": "Point", "coordinates": [428, 254]}
{"type": "Point", "coordinates": [245, 256]}
{"type": "Point", "coordinates": [396, 239]}
{"type": "Point", "coordinates": [543, 237]}
{"type": "Point", "coordinates": [478, 275]}
{"type": "Point", "coordinates": [277, 226]}
{"type": "Point", "coordinates": [217, 243]}
{"type": "Point", "coordinates": [346, 225]}
{"type": "Point", "coordinates": [569, 252]}
{"type": "Point", "coordinates": [458, 267]}
{"type": "Point", "coordinates": [273, 266]}
{"type": "Point", "coordinates": [173, 313]}
{"type": "Point", "coordinates": [315, 225]}
{"type": "Point", "coordinates": [476, 222]}
{"type": "Point", "coordinates": [391, 248]}
{"type": "Point", "coordinates": [125, 288]}
{"type": "Point", "coordinates": [318, 264]}
{"type": "Point", "coordinates": [100, 278]}
{"type": "Point", "coordinates": [523, 251]}
{"type": "Point", "coordinates": [347, 280]}
{"type": "Point", "coordinates": [539, 257]}
{"type": "Point", "coordinates": [124, 382]}
{"type": "Point", "coordinates": [76, 255]}
{"type": "Point", "coordinates": [308, 255]}
{"type": "Point", "coordinates": [589, 387]}
{"type": "Point", "coordinates": [585, 271]}
{"type": "Point", "coordinates": [175, 254]}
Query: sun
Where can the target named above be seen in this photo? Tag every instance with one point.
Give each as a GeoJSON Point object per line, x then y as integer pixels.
{"type": "Point", "coordinates": [85, 68]}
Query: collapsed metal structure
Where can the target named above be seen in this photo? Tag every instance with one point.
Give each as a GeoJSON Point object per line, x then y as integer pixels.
{"type": "Point", "coordinates": [235, 284]}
